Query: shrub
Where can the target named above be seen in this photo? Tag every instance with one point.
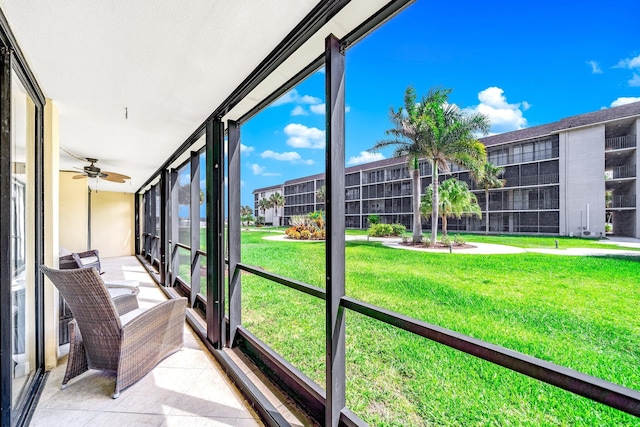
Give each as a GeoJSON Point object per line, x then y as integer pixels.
{"type": "Point", "coordinates": [397, 229]}
{"type": "Point", "coordinates": [457, 240]}
{"type": "Point", "coordinates": [307, 227]}
{"type": "Point", "coordinates": [297, 220]}
{"type": "Point", "coordinates": [380, 230]}
{"type": "Point", "coordinates": [445, 240]}
{"type": "Point", "coordinates": [305, 234]}
{"type": "Point", "coordinates": [374, 219]}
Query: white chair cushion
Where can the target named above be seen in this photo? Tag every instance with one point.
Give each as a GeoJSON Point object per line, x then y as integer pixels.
{"type": "Point", "coordinates": [125, 318]}
{"type": "Point", "coordinates": [88, 260]}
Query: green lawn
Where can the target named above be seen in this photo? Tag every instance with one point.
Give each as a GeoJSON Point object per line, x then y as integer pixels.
{"type": "Point", "coordinates": [580, 312]}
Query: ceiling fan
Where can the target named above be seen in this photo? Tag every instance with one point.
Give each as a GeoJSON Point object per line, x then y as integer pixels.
{"type": "Point", "coordinates": [92, 171]}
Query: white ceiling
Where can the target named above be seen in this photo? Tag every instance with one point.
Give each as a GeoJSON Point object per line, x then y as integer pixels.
{"type": "Point", "coordinates": [169, 63]}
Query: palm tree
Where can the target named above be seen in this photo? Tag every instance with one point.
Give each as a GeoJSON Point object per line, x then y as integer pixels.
{"type": "Point", "coordinates": [263, 205]}
{"type": "Point", "coordinates": [277, 201]}
{"type": "Point", "coordinates": [321, 194]}
{"type": "Point", "coordinates": [440, 132]}
{"type": "Point", "coordinates": [246, 214]}
{"type": "Point", "coordinates": [489, 178]}
{"type": "Point", "coordinates": [456, 200]}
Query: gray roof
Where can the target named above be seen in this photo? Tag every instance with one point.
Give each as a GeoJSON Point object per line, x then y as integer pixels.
{"type": "Point", "coordinates": [587, 119]}
{"type": "Point", "coordinates": [364, 166]}
{"type": "Point", "coordinates": [273, 187]}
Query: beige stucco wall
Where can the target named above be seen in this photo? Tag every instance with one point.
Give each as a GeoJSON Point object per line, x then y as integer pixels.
{"type": "Point", "coordinates": [51, 229]}
{"type": "Point", "coordinates": [112, 223]}
{"type": "Point", "coordinates": [112, 218]}
{"type": "Point", "coordinates": [73, 212]}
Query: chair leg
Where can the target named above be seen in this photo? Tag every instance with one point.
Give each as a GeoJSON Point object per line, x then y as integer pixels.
{"type": "Point", "coordinates": [77, 361]}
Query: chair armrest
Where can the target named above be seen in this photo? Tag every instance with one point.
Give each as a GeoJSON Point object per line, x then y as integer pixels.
{"type": "Point", "coordinates": [89, 258]}
{"type": "Point", "coordinates": [90, 252]}
{"type": "Point", "coordinates": [125, 303]}
{"type": "Point", "coordinates": [68, 262]}
{"type": "Point", "coordinates": [125, 288]}
{"type": "Point", "coordinates": [159, 317]}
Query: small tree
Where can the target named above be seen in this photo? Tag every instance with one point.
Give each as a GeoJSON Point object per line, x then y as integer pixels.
{"type": "Point", "coordinates": [246, 215]}
{"type": "Point", "coordinates": [321, 194]}
{"type": "Point", "coordinates": [440, 132]}
{"type": "Point", "coordinates": [277, 201]}
{"type": "Point", "coordinates": [488, 177]}
{"type": "Point", "coordinates": [455, 201]}
{"type": "Point", "coordinates": [263, 205]}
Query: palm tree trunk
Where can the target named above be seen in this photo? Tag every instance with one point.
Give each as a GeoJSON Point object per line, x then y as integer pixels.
{"type": "Point", "coordinates": [444, 225]}
{"type": "Point", "coordinates": [486, 199]}
{"type": "Point", "coordinates": [434, 203]}
{"type": "Point", "coordinates": [417, 222]}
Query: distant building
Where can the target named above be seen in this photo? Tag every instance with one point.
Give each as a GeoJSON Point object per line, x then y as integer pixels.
{"type": "Point", "coordinates": [570, 177]}
{"type": "Point", "coordinates": [270, 215]}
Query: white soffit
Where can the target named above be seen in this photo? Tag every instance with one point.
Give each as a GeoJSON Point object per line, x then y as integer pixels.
{"type": "Point", "coordinates": [349, 18]}
{"type": "Point", "coordinates": [169, 63]}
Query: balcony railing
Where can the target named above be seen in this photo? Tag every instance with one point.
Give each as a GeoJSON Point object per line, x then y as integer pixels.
{"type": "Point", "coordinates": [522, 205]}
{"type": "Point", "coordinates": [620, 142]}
{"type": "Point", "coordinates": [624, 201]}
{"type": "Point", "coordinates": [620, 172]}
{"type": "Point", "coordinates": [552, 178]}
{"type": "Point", "coordinates": [593, 388]}
{"type": "Point", "coordinates": [533, 156]}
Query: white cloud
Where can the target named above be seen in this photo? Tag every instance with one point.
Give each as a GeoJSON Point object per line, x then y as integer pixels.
{"type": "Point", "coordinates": [287, 156]}
{"type": "Point", "coordinates": [321, 108]}
{"type": "Point", "coordinates": [318, 109]}
{"type": "Point", "coordinates": [257, 169]}
{"type": "Point", "coordinates": [629, 63]}
{"type": "Point", "coordinates": [635, 80]}
{"type": "Point", "coordinates": [308, 99]}
{"type": "Point", "coordinates": [301, 136]}
{"type": "Point", "coordinates": [504, 117]}
{"type": "Point", "coordinates": [246, 149]}
{"type": "Point", "coordinates": [365, 157]}
{"type": "Point", "coordinates": [299, 111]}
{"type": "Point", "coordinates": [260, 170]}
{"type": "Point", "coordinates": [293, 97]}
{"type": "Point", "coordinates": [595, 67]}
{"type": "Point", "coordinates": [624, 100]}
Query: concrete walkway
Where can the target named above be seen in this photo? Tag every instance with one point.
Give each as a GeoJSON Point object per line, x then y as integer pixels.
{"type": "Point", "coordinates": [490, 248]}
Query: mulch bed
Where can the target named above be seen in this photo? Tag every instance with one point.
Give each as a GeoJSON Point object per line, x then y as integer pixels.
{"type": "Point", "coordinates": [437, 245]}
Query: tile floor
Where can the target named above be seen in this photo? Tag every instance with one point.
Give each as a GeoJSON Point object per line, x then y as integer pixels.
{"type": "Point", "coordinates": [187, 389]}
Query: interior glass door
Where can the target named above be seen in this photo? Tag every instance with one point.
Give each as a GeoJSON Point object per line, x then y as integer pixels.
{"type": "Point", "coordinates": [23, 288]}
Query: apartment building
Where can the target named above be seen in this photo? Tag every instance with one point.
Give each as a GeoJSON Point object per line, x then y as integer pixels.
{"type": "Point", "coordinates": [270, 215]}
{"type": "Point", "coordinates": [573, 177]}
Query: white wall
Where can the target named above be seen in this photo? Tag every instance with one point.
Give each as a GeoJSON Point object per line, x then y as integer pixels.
{"type": "Point", "coordinates": [582, 186]}
{"type": "Point", "coordinates": [637, 184]}
{"type": "Point", "coordinates": [269, 215]}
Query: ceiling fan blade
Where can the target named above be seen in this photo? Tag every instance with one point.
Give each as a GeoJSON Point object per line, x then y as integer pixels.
{"type": "Point", "coordinates": [113, 177]}
{"type": "Point", "coordinates": [78, 176]}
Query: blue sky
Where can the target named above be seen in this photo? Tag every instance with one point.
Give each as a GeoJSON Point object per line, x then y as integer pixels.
{"type": "Point", "coordinates": [522, 66]}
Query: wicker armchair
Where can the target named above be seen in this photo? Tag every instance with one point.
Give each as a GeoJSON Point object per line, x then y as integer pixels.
{"type": "Point", "coordinates": [117, 336]}
{"type": "Point", "coordinates": [90, 258]}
